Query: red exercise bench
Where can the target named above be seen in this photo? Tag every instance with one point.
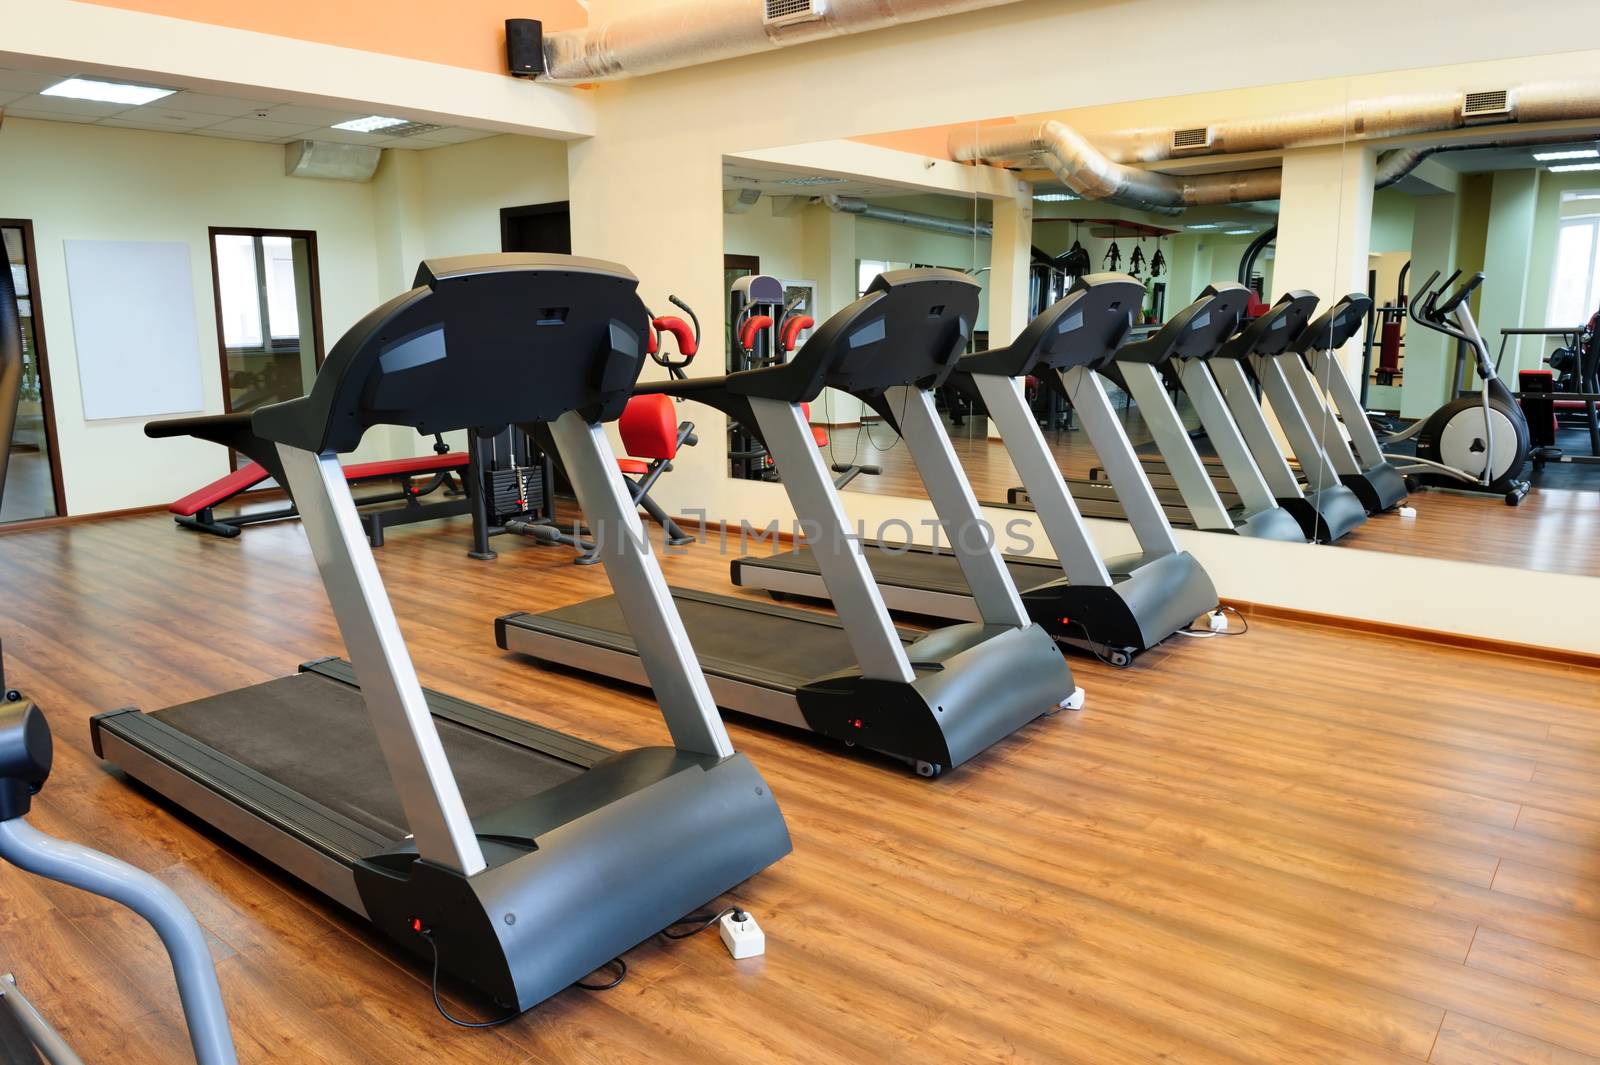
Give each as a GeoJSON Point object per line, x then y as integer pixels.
{"type": "Point", "coordinates": [445, 470]}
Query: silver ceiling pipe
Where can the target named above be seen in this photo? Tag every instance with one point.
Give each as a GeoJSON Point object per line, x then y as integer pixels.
{"type": "Point", "coordinates": [1086, 170]}
{"type": "Point", "coordinates": [937, 223]}
{"type": "Point", "coordinates": [683, 34]}
{"type": "Point", "coordinates": [1370, 119]}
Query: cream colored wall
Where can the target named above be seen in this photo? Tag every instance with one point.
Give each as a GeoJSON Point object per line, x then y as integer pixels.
{"type": "Point", "coordinates": [777, 240]}
{"type": "Point", "coordinates": [687, 113]}
{"type": "Point", "coordinates": [78, 182]}
{"type": "Point", "coordinates": [465, 185]}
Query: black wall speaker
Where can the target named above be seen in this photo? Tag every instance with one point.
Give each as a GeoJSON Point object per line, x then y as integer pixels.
{"type": "Point", "coordinates": [525, 47]}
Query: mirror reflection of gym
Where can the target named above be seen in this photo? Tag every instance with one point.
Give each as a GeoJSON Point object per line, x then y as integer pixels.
{"type": "Point", "coordinates": [799, 246]}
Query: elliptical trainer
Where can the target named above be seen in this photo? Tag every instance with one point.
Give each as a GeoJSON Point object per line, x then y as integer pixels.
{"type": "Point", "coordinates": [1477, 443]}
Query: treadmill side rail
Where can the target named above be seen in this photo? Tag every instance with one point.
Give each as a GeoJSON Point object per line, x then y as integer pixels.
{"type": "Point", "coordinates": [635, 576]}
{"type": "Point", "coordinates": [406, 734]}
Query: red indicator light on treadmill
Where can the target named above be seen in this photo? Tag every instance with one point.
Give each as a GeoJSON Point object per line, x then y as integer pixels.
{"type": "Point", "coordinates": [416, 925]}
{"type": "Point", "coordinates": [855, 723]}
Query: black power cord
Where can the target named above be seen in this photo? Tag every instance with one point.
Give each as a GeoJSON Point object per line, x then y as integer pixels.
{"type": "Point", "coordinates": [438, 1004]}
{"type": "Point", "coordinates": [701, 922]}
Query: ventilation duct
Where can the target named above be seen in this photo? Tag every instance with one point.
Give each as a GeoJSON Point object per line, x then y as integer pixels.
{"type": "Point", "coordinates": [669, 36]}
{"type": "Point", "coordinates": [739, 201]}
{"type": "Point", "coordinates": [1370, 119]}
{"type": "Point", "coordinates": [1086, 170]}
{"type": "Point", "coordinates": [1095, 174]}
{"type": "Point", "coordinates": [329, 159]}
{"type": "Point", "coordinates": [936, 223]}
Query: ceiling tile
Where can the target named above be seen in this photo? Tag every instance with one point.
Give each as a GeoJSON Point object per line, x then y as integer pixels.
{"type": "Point", "coordinates": [27, 80]}
{"type": "Point", "coordinates": [7, 95]}
{"type": "Point", "coordinates": [49, 116]}
{"type": "Point", "coordinates": [64, 106]}
{"type": "Point", "coordinates": [309, 116]}
{"type": "Point", "coordinates": [260, 127]}
{"type": "Point", "coordinates": [142, 123]}
{"type": "Point", "coordinates": [215, 105]}
{"type": "Point", "coordinates": [168, 118]}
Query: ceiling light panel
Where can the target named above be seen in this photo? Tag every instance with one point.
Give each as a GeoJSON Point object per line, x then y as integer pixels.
{"type": "Point", "coordinates": [106, 92]}
{"type": "Point", "coordinates": [1574, 153]}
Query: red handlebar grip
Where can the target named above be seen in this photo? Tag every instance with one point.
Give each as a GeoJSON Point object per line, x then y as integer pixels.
{"type": "Point", "coordinates": [680, 329]}
{"type": "Point", "coordinates": [792, 328]}
{"type": "Point", "coordinates": [753, 325]}
{"type": "Point", "coordinates": [650, 337]}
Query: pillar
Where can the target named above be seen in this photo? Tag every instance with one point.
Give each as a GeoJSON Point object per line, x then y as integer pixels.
{"type": "Point", "coordinates": [1010, 256]}
{"type": "Point", "coordinates": [1513, 202]}
{"type": "Point", "coordinates": [1429, 356]}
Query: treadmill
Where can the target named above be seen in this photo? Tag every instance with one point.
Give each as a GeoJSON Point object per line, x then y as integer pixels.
{"type": "Point", "coordinates": [1358, 460]}
{"type": "Point", "coordinates": [1114, 607]}
{"type": "Point", "coordinates": [517, 857]}
{"type": "Point", "coordinates": [1325, 508]}
{"type": "Point", "coordinates": [933, 700]}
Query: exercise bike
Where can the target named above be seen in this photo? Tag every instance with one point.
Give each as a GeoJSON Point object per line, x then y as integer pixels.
{"type": "Point", "coordinates": [1476, 443]}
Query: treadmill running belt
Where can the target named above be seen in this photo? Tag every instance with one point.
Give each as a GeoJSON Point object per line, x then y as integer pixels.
{"type": "Point", "coordinates": [748, 641]}
{"type": "Point", "coordinates": [934, 571]}
{"type": "Point", "coordinates": [271, 727]}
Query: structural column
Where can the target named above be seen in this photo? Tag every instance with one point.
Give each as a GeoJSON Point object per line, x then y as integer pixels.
{"type": "Point", "coordinates": [1513, 203]}
{"type": "Point", "coordinates": [828, 254]}
{"type": "Point", "coordinates": [1010, 255]}
{"type": "Point", "coordinates": [1429, 356]}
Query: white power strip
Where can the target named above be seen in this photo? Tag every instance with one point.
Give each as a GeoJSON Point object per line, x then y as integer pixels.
{"type": "Point", "coordinates": [1217, 621]}
{"type": "Point", "coordinates": [743, 938]}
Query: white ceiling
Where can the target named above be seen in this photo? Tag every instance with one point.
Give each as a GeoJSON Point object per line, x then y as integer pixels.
{"type": "Point", "coordinates": [209, 116]}
{"type": "Point", "coordinates": [780, 181]}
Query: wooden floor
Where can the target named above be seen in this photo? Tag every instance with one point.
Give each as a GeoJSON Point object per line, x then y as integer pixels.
{"type": "Point", "coordinates": [1298, 845]}
{"type": "Point", "coordinates": [1554, 530]}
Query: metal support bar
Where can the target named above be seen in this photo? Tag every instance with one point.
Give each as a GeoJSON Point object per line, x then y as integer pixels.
{"type": "Point", "coordinates": [406, 733]}
{"type": "Point", "coordinates": [1223, 432]}
{"type": "Point", "coordinates": [855, 594]}
{"type": "Point", "coordinates": [635, 574]}
{"type": "Point", "coordinates": [1047, 491]}
{"type": "Point", "coordinates": [40, 1032]}
{"type": "Point", "coordinates": [100, 874]}
{"type": "Point", "coordinates": [1172, 439]}
{"type": "Point", "coordinates": [1292, 418]}
{"type": "Point", "coordinates": [993, 592]}
{"type": "Point", "coordinates": [1086, 392]}
{"type": "Point", "coordinates": [1352, 412]}
{"type": "Point", "coordinates": [1252, 423]}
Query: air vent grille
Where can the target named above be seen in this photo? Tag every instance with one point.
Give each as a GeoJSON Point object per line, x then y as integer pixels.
{"type": "Point", "coordinates": [1191, 139]}
{"type": "Point", "coordinates": [1494, 103]}
{"type": "Point", "coordinates": [783, 12]}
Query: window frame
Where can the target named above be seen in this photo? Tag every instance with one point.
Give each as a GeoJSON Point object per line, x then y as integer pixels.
{"type": "Point", "coordinates": [1591, 286]}
{"type": "Point", "coordinates": [310, 237]}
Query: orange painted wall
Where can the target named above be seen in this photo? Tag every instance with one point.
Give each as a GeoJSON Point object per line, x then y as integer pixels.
{"type": "Point", "coordinates": [463, 33]}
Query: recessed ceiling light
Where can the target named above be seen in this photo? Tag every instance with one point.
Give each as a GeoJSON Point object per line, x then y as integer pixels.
{"type": "Point", "coordinates": [1570, 196]}
{"type": "Point", "coordinates": [106, 92]}
{"type": "Point", "coordinates": [814, 179]}
{"type": "Point", "coordinates": [1576, 153]}
{"type": "Point", "coordinates": [1053, 197]}
{"type": "Point", "coordinates": [370, 124]}
{"type": "Point", "coordinates": [1237, 232]}
{"type": "Point", "coordinates": [1204, 225]}
{"type": "Point", "coordinates": [1569, 168]}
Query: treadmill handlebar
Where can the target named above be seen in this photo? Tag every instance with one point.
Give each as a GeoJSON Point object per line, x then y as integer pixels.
{"type": "Point", "coordinates": [1083, 328]}
{"type": "Point", "coordinates": [501, 339]}
{"type": "Point", "coordinates": [1194, 332]}
{"type": "Point", "coordinates": [1336, 325]}
{"type": "Point", "coordinates": [1273, 332]}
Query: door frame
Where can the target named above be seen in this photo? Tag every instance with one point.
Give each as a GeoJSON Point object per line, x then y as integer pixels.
{"type": "Point", "coordinates": [42, 353]}
{"type": "Point", "coordinates": [310, 237]}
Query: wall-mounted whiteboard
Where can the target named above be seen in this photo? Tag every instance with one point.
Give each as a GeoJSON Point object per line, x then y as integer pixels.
{"type": "Point", "coordinates": [134, 325]}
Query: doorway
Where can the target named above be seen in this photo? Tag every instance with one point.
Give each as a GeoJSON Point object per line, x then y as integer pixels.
{"type": "Point", "coordinates": [33, 478]}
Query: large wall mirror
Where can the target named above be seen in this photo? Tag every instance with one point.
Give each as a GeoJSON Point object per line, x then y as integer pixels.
{"type": "Point", "coordinates": [1345, 403]}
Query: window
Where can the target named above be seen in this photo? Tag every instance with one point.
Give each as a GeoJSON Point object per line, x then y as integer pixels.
{"type": "Point", "coordinates": [1575, 284]}
{"type": "Point", "coordinates": [268, 314]}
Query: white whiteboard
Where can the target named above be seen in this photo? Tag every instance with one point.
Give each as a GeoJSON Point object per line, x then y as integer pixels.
{"type": "Point", "coordinates": [133, 321]}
